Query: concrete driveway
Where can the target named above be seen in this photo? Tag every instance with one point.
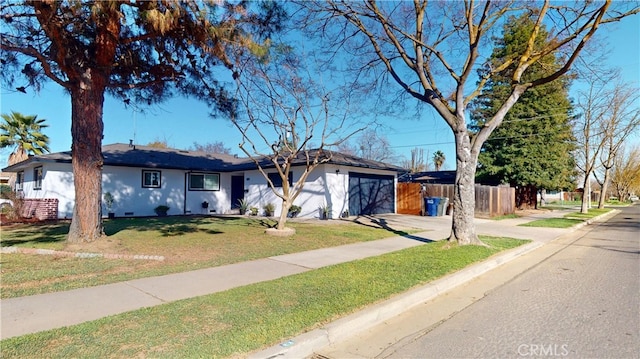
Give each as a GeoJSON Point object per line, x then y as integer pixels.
{"type": "Point", "coordinates": [404, 221]}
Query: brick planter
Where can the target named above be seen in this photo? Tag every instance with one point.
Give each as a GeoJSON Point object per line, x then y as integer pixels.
{"type": "Point", "coordinates": [42, 209]}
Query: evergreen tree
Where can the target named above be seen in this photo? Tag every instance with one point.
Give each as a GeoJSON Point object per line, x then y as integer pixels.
{"type": "Point", "coordinates": [532, 150]}
{"type": "Point", "coordinates": [137, 51]}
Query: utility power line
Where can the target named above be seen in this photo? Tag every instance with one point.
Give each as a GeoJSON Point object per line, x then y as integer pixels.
{"type": "Point", "coordinates": [489, 139]}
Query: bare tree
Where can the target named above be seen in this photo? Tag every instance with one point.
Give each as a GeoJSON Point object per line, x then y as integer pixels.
{"type": "Point", "coordinates": [375, 146]}
{"type": "Point", "coordinates": [623, 119]}
{"type": "Point", "coordinates": [347, 148]}
{"type": "Point", "coordinates": [432, 50]}
{"type": "Point", "coordinates": [625, 178]}
{"type": "Point", "coordinates": [608, 116]}
{"type": "Point", "coordinates": [418, 161]}
{"type": "Point", "coordinates": [212, 147]}
{"type": "Point", "coordinates": [284, 107]}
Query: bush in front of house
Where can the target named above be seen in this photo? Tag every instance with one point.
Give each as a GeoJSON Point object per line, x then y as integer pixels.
{"type": "Point", "coordinates": [294, 210]}
{"type": "Point", "coordinates": [243, 206]}
{"type": "Point", "coordinates": [161, 210]}
{"type": "Point", "coordinates": [269, 209]}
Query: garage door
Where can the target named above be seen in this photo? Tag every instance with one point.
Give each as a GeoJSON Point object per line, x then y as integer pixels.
{"type": "Point", "coordinates": [370, 194]}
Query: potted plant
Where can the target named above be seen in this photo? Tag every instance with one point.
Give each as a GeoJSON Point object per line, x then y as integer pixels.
{"type": "Point", "coordinates": [269, 209]}
{"type": "Point", "coordinates": [244, 206]}
{"type": "Point", "coordinates": [294, 210]}
{"type": "Point", "coordinates": [254, 211]}
{"type": "Point", "coordinates": [325, 211]}
{"type": "Point", "coordinates": [161, 210]}
{"type": "Point", "coordinates": [108, 202]}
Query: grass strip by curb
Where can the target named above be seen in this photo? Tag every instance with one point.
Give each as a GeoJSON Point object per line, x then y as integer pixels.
{"type": "Point", "coordinates": [569, 220]}
{"type": "Point", "coordinates": [248, 318]}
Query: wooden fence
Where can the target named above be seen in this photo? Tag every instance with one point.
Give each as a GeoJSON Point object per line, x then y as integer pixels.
{"type": "Point", "coordinates": [490, 200]}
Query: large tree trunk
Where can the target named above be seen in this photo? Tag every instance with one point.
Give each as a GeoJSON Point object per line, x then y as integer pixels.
{"type": "Point", "coordinates": [586, 194]}
{"type": "Point", "coordinates": [86, 151]}
{"type": "Point", "coordinates": [87, 101]}
{"type": "Point", "coordinates": [283, 215]}
{"type": "Point", "coordinates": [604, 188]}
{"type": "Point", "coordinates": [463, 229]}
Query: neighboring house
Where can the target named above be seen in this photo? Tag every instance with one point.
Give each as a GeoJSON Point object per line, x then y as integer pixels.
{"type": "Point", "coordinates": [4, 178]}
{"type": "Point", "coordinates": [141, 178]}
{"type": "Point", "coordinates": [439, 177]}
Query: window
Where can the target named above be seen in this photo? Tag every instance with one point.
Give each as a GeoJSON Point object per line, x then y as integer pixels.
{"type": "Point", "coordinates": [277, 180]}
{"type": "Point", "coordinates": [151, 179]}
{"type": "Point", "coordinates": [204, 181]}
{"type": "Point", "coordinates": [19, 181]}
{"type": "Point", "coordinates": [37, 178]}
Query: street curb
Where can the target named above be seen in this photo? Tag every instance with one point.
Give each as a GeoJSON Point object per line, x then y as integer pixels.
{"type": "Point", "coordinates": [599, 218]}
{"type": "Point", "coordinates": [304, 345]}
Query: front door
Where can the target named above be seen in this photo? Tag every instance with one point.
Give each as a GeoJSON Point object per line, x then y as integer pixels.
{"type": "Point", "coordinates": [237, 191]}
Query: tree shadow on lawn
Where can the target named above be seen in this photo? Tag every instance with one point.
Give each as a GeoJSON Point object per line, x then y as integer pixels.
{"type": "Point", "coordinates": [35, 233]}
{"type": "Point", "coordinates": [56, 231]}
{"type": "Point", "coordinates": [169, 226]}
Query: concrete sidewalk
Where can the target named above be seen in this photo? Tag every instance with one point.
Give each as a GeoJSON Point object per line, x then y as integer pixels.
{"type": "Point", "coordinates": [36, 313]}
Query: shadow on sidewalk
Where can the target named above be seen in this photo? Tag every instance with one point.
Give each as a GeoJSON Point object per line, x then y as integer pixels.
{"type": "Point", "coordinates": [384, 224]}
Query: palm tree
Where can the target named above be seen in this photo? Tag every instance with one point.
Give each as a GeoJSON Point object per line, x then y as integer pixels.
{"type": "Point", "coordinates": [438, 159]}
{"type": "Point", "coordinates": [23, 134]}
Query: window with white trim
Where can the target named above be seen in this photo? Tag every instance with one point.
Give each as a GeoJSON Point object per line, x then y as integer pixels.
{"type": "Point", "coordinates": [204, 181]}
{"type": "Point", "coordinates": [20, 181]}
{"type": "Point", "coordinates": [151, 179]}
{"type": "Point", "coordinates": [37, 178]}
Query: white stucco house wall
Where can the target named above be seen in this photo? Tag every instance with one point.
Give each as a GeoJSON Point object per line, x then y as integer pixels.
{"type": "Point", "coordinates": [196, 183]}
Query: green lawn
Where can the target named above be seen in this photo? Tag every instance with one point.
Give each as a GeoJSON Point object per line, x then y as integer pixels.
{"type": "Point", "coordinates": [569, 220]}
{"type": "Point", "coordinates": [244, 319]}
{"type": "Point", "coordinates": [187, 243]}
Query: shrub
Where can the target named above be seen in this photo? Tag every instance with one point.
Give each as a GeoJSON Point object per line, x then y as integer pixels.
{"type": "Point", "coordinates": [5, 191]}
{"type": "Point", "coordinates": [161, 210]}
{"type": "Point", "coordinates": [325, 211]}
{"type": "Point", "coordinates": [269, 209]}
{"type": "Point", "coordinates": [294, 210]}
{"type": "Point", "coordinates": [13, 210]}
{"type": "Point", "coordinates": [244, 206]}
{"type": "Point", "coordinates": [108, 201]}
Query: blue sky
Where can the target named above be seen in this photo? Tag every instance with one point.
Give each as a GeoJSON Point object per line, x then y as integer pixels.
{"type": "Point", "coordinates": [181, 121]}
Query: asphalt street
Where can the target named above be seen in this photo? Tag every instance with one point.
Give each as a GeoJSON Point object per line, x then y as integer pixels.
{"type": "Point", "coordinates": [581, 299]}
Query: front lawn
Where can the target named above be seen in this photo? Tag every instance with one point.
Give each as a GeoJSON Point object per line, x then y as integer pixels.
{"type": "Point", "coordinates": [244, 319]}
{"type": "Point", "coordinates": [187, 243]}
